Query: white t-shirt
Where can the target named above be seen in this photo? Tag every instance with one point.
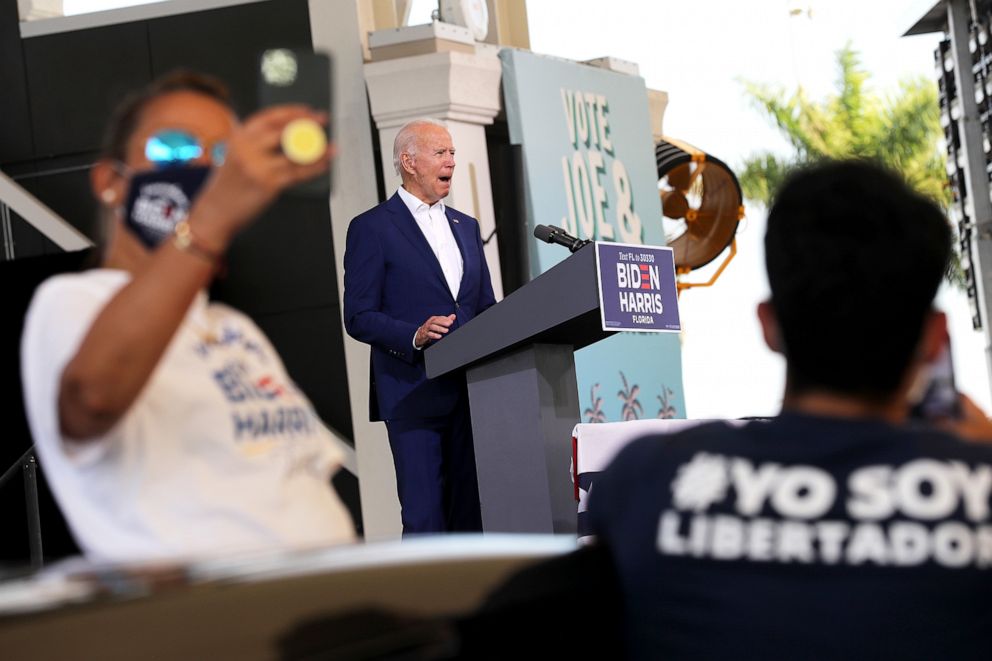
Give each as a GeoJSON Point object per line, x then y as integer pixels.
{"type": "Point", "coordinates": [220, 452]}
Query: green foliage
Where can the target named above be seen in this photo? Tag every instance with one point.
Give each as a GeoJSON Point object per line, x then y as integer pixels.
{"type": "Point", "coordinates": [762, 175]}
{"type": "Point", "coordinates": [900, 131]}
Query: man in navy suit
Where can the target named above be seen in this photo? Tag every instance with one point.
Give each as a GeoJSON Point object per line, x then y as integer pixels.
{"type": "Point", "coordinates": [415, 271]}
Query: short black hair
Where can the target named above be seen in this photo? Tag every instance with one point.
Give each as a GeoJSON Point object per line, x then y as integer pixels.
{"type": "Point", "coordinates": [854, 260]}
{"type": "Point", "coordinates": [127, 115]}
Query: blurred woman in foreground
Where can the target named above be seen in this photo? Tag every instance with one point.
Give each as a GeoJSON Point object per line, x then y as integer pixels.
{"type": "Point", "coordinates": [167, 424]}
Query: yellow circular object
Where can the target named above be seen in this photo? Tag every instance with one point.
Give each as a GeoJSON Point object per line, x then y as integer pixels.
{"type": "Point", "coordinates": [304, 141]}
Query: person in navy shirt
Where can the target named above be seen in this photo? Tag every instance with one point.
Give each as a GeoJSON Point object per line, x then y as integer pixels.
{"type": "Point", "coordinates": [840, 528]}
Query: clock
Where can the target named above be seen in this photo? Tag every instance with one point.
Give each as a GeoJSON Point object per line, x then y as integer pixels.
{"type": "Point", "coordinates": [472, 14]}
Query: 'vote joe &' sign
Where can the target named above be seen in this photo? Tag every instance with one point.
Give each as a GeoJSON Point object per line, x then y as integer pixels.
{"type": "Point", "coordinates": [637, 288]}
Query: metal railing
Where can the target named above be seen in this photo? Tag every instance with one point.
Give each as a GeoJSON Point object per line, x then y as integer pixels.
{"type": "Point", "coordinates": [6, 229]}
{"type": "Point", "coordinates": [13, 198]}
{"type": "Point", "coordinates": [28, 466]}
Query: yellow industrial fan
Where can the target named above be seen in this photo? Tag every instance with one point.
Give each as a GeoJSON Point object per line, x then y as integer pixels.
{"type": "Point", "coordinates": [701, 198]}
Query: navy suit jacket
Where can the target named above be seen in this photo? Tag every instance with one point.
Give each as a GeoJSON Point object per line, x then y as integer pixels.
{"type": "Point", "coordinates": [392, 284]}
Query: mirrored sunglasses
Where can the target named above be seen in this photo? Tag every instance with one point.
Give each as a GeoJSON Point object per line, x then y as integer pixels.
{"type": "Point", "coordinates": [173, 147]}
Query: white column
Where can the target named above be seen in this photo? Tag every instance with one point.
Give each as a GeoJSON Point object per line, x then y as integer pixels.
{"type": "Point", "coordinates": [462, 90]}
{"type": "Point", "coordinates": [335, 28]}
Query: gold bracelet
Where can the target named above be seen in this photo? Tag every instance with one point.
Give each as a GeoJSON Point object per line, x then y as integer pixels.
{"type": "Point", "coordinates": [185, 241]}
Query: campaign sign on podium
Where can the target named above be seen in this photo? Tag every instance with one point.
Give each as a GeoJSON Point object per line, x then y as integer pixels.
{"type": "Point", "coordinates": [637, 289]}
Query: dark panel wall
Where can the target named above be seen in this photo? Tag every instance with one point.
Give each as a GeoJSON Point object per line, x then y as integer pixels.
{"type": "Point", "coordinates": [227, 42]}
{"type": "Point", "coordinates": [281, 269]}
{"type": "Point", "coordinates": [75, 80]}
{"type": "Point", "coordinates": [15, 125]}
{"type": "Point", "coordinates": [507, 172]}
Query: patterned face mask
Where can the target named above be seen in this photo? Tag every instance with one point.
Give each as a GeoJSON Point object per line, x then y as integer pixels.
{"type": "Point", "coordinates": [158, 200]}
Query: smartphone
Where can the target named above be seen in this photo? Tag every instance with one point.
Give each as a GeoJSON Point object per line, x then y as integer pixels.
{"type": "Point", "coordinates": [288, 76]}
{"type": "Point", "coordinates": [937, 398]}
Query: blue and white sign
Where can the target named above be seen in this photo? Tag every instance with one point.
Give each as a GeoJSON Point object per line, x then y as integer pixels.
{"type": "Point", "coordinates": [637, 290]}
{"type": "Point", "coordinates": [589, 167]}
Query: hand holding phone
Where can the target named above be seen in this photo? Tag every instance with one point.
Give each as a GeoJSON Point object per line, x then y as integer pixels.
{"type": "Point", "coordinates": [938, 398]}
{"type": "Point", "coordinates": [293, 77]}
{"type": "Point", "coordinates": [973, 425]}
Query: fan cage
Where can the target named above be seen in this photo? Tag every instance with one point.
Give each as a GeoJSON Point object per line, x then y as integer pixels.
{"type": "Point", "coordinates": [668, 156]}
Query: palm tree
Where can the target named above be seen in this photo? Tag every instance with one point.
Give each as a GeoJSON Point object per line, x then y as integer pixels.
{"type": "Point", "coordinates": [595, 412]}
{"type": "Point", "coordinates": [667, 410]}
{"type": "Point", "coordinates": [900, 131]}
{"type": "Point", "coordinates": [632, 408]}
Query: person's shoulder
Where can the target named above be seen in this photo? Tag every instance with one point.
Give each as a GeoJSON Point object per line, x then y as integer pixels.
{"type": "Point", "coordinates": [886, 441]}
{"type": "Point", "coordinates": [89, 279]}
{"type": "Point", "coordinates": [455, 214]}
{"type": "Point", "coordinates": [71, 287]}
{"type": "Point", "coordinates": [651, 460]}
{"type": "Point", "coordinates": [646, 452]}
{"type": "Point", "coordinates": [693, 433]}
{"type": "Point", "coordinates": [223, 309]}
{"type": "Point", "coordinates": [369, 215]}
{"type": "Point", "coordinates": [939, 444]}
{"type": "Point", "coordinates": [227, 313]}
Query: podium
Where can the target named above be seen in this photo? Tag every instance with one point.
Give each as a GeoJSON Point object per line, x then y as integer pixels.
{"type": "Point", "coordinates": [518, 357]}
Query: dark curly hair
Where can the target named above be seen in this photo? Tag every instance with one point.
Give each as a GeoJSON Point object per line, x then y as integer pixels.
{"type": "Point", "coordinates": [126, 117]}
{"type": "Point", "coordinates": [854, 260]}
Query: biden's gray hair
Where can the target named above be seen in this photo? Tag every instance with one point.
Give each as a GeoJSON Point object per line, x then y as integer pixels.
{"type": "Point", "coordinates": [406, 139]}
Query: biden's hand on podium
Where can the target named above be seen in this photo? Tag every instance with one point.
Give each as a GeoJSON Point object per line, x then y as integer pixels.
{"type": "Point", "coordinates": [433, 329]}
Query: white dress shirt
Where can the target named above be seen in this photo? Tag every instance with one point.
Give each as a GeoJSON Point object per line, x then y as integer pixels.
{"type": "Point", "coordinates": [434, 224]}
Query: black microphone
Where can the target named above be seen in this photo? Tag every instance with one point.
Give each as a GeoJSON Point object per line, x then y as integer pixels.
{"type": "Point", "coordinates": [551, 234]}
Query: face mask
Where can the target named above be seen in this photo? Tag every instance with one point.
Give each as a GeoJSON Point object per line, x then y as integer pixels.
{"type": "Point", "coordinates": [159, 200]}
